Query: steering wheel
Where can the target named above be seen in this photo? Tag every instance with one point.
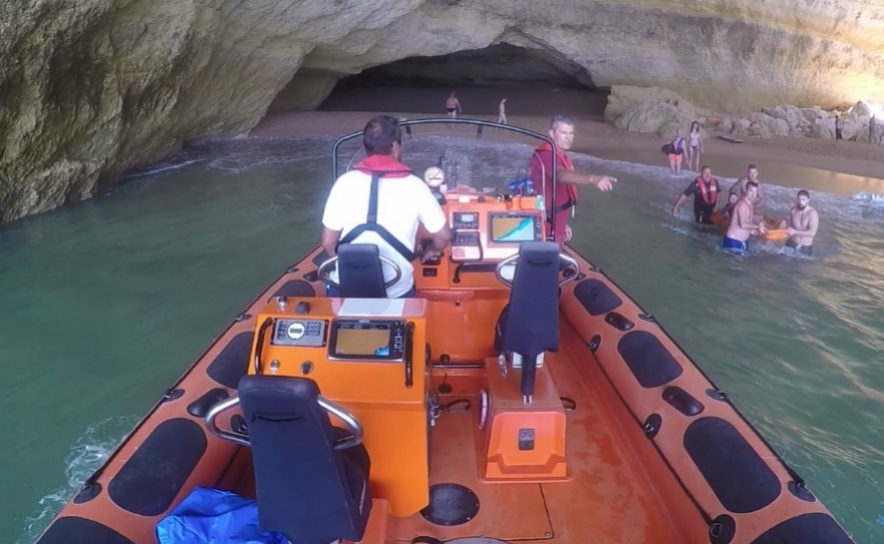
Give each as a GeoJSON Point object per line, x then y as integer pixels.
{"type": "Point", "coordinates": [325, 269]}
{"type": "Point", "coordinates": [506, 269]}
{"type": "Point", "coordinates": [331, 407]}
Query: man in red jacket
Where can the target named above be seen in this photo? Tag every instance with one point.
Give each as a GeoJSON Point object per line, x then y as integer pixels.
{"type": "Point", "coordinates": [562, 133]}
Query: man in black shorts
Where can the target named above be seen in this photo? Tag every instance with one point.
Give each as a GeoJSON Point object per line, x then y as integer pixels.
{"type": "Point", "coordinates": [705, 190]}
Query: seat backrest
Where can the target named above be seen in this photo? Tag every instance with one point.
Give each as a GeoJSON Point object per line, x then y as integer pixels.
{"type": "Point", "coordinates": [529, 325]}
{"type": "Point", "coordinates": [360, 274]}
{"type": "Point", "coordinates": [306, 490]}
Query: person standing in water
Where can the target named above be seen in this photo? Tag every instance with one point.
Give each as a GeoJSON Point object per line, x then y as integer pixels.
{"type": "Point", "coordinates": [695, 147]}
{"type": "Point", "coordinates": [705, 190]}
{"type": "Point", "coordinates": [742, 225]}
{"type": "Point", "coordinates": [803, 224]}
{"type": "Point", "coordinates": [501, 118]}
{"type": "Point", "coordinates": [562, 133]}
{"type": "Point", "coordinates": [739, 187]}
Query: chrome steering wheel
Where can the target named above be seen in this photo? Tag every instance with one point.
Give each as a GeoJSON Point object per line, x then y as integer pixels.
{"type": "Point", "coordinates": [506, 269]}
{"type": "Point", "coordinates": [325, 269]}
{"type": "Point", "coordinates": [331, 407]}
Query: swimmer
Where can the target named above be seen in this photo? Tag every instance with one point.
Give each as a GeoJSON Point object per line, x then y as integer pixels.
{"type": "Point", "coordinates": [739, 187]}
{"type": "Point", "coordinates": [742, 225]}
{"type": "Point", "coordinates": [802, 226]}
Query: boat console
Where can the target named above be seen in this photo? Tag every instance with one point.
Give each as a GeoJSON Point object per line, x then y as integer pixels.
{"type": "Point", "coordinates": [368, 356]}
{"type": "Point", "coordinates": [486, 228]}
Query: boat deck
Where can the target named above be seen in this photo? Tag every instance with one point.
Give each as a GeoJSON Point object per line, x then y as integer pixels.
{"type": "Point", "coordinates": [608, 498]}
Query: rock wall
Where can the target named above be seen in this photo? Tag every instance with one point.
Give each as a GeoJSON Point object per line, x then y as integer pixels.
{"type": "Point", "coordinates": [90, 88]}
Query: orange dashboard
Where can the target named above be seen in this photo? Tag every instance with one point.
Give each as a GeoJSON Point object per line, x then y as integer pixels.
{"type": "Point", "coordinates": [485, 229]}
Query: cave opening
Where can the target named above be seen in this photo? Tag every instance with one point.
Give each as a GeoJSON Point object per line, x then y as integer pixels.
{"type": "Point", "coordinates": [534, 82]}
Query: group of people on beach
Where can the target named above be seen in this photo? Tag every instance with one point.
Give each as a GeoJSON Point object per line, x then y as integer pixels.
{"type": "Point", "coordinates": [740, 215]}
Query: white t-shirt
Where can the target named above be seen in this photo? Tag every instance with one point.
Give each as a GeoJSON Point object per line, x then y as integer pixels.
{"type": "Point", "coordinates": [403, 203]}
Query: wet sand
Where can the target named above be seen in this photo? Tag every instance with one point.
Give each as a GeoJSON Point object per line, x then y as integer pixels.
{"type": "Point", "coordinates": [821, 165]}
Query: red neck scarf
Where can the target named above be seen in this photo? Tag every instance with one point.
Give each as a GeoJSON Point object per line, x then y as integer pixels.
{"type": "Point", "coordinates": [385, 165]}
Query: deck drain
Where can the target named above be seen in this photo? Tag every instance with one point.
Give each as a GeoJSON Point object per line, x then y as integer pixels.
{"type": "Point", "coordinates": [451, 504]}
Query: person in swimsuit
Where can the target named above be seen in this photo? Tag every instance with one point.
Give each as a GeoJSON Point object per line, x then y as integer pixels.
{"type": "Point", "coordinates": [695, 147]}
{"type": "Point", "coordinates": [803, 223]}
{"type": "Point", "coordinates": [705, 190]}
{"type": "Point", "coordinates": [739, 187]}
{"type": "Point", "coordinates": [676, 148]}
{"type": "Point", "coordinates": [742, 225]}
{"type": "Point", "coordinates": [452, 106]}
{"type": "Point", "coordinates": [839, 127]}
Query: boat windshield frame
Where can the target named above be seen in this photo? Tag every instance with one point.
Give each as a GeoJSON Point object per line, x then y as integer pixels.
{"type": "Point", "coordinates": [479, 124]}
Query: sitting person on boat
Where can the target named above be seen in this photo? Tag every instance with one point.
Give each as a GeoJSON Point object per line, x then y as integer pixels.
{"type": "Point", "coordinates": [562, 132]}
{"type": "Point", "coordinates": [802, 226]}
{"type": "Point", "coordinates": [705, 190]}
{"type": "Point", "coordinates": [742, 225]}
{"type": "Point", "coordinates": [380, 201]}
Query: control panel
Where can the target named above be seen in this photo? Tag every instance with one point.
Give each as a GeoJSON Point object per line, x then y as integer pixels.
{"type": "Point", "coordinates": [299, 332]}
{"type": "Point", "coordinates": [371, 340]}
{"type": "Point", "coordinates": [489, 229]}
{"type": "Point", "coordinates": [465, 220]}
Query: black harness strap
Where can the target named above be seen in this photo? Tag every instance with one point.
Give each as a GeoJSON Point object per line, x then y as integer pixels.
{"type": "Point", "coordinates": [371, 224]}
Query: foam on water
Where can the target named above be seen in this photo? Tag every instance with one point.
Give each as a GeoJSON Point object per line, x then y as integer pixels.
{"type": "Point", "coordinates": [87, 454]}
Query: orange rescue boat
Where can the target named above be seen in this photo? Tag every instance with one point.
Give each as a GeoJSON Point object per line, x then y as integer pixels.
{"type": "Point", "coordinates": [522, 397]}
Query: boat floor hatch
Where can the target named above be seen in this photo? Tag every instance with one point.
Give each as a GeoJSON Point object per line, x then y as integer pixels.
{"type": "Point", "coordinates": [500, 514]}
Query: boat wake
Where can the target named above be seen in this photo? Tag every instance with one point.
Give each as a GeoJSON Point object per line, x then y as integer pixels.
{"type": "Point", "coordinates": [88, 452]}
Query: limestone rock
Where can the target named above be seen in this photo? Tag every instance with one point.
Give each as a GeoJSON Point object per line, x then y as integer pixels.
{"type": "Point", "coordinates": [624, 98]}
{"type": "Point", "coordinates": [94, 87]}
{"type": "Point", "coordinates": [726, 125]}
{"type": "Point", "coordinates": [654, 116]}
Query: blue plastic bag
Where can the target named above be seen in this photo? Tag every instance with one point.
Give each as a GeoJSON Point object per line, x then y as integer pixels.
{"type": "Point", "coordinates": [210, 516]}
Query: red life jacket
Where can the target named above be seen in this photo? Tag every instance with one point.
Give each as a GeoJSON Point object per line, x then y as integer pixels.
{"type": "Point", "coordinates": [708, 193]}
{"type": "Point", "coordinates": [379, 166]}
{"type": "Point", "coordinates": [565, 161]}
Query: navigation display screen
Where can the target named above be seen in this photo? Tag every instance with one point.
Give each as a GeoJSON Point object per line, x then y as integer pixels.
{"type": "Point", "coordinates": [514, 227]}
{"type": "Point", "coordinates": [358, 339]}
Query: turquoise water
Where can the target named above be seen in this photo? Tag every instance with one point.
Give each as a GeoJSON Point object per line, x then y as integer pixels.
{"type": "Point", "coordinates": [105, 303]}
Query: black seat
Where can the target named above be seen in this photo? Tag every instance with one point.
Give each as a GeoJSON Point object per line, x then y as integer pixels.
{"type": "Point", "coordinates": [360, 274]}
{"type": "Point", "coordinates": [529, 324]}
{"type": "Point", "coordinates": [306, 489]}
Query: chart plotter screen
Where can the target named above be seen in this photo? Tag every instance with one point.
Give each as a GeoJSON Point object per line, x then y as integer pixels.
{"type": "Point", "coordinates": [514, 228]}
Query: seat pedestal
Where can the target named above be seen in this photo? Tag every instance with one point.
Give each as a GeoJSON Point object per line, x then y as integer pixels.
{"type": "Point", "coordinates": [524, 442]}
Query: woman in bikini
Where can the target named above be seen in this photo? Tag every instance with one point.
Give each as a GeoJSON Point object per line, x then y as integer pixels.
{"type": "Point", "coordinates": [695, 147]}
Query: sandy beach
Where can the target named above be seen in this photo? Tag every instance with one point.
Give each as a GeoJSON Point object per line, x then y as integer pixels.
{"type": "Point", "coordinates": [822, 165]}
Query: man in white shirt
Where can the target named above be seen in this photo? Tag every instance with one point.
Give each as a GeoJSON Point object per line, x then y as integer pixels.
{"type": "Point", "coordinates": [400, 199]}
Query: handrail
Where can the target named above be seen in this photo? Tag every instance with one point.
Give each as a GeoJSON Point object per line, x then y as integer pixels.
{"type": "Point", "coordinates": [329, 406]}
{"type": "Point", "coordinates": [572, 264]}
{"type": "Point", "coordinates": [328, 262]}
